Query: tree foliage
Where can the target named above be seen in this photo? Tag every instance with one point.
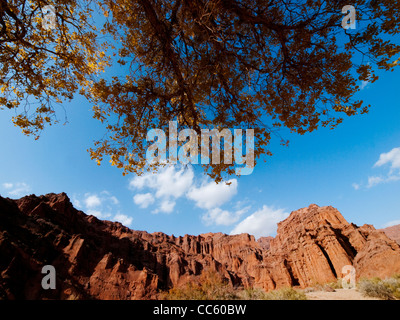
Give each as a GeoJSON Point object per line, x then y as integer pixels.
{"type": "Point", "coordinates": [41, 66]}
{"type": "Point", "coordinates": [265, 65]}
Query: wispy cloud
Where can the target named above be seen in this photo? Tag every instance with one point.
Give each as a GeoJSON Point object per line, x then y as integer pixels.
{"type": "Point", "coordinates": [363, 84]}
{"type": "Point", "coordinates": [143, 200]}
{"type": "Point", "coordinates": [110, 197]}
{"type": "Point", "coordinates": [7, 185]}
{"type": "Point", "coordinates": [17, 189]}
{"type": "Point", "coordinates": [356, 186]}
{"type": "Point", "coordinates": [374, 180]}
{"type": "Point", "coordinates": [165, 187]}
{"type": "Point", "coordinates": [391, 223]}
{"type": "Point", "coordinates": [391, 159]}
{"type": "Point", "coordinates": [102, 205]}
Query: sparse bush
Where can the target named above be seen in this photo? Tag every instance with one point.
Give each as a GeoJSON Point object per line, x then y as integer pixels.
{"type": "Point", "coordinates": [212, 286]}
{"type": "Point", "coordinates": [285, 294]}
{"type": "Point", "coordinates": [252, 294]}
{"type": "Point", "coordinates": [336, 285]}
{"type": "Point", "coordinates": [326, 287]}
{"type": "Point", "coordinates": [393, 284]}
{"type": "Point", "coordinates": [387, 289]}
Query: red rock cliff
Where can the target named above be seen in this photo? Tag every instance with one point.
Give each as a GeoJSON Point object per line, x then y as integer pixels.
{"type": "Point", "coordinates": [393, 232]}
{"type": "Point", "coordinates": [104, 260]}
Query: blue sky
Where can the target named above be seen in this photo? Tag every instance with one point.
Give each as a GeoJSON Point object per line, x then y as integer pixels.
{"type": "Point", "coordinates": [355, 168]}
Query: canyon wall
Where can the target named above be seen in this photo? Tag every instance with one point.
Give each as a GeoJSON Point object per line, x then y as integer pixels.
{"type": "Point", "coordinates": [97, 259]}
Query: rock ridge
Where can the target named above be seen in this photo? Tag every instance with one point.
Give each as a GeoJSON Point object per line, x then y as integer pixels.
{"type": "Point", "coordinates": [97, 259]}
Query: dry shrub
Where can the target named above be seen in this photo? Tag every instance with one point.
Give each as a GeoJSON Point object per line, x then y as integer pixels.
{"type": "Point", "coordinates": [285, 294]}
{"type": "Point", "coordinates": [387, 289]}
{"type": "Point", "coordinates": [212, 286]}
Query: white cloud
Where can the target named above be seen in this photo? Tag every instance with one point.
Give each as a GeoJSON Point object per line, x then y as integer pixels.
{"type": "Point", "coordinates": [143, 200]}
{"type": "Point", "coordinates": [373, 181]}
{"type": "Point", "coordinates": [76, 202]}
{"type": "Point", "coordinates": [107, 196]}
{"type": "Point", "coordinates": [363, 84]}
{"type": "Point", "coordinates": [211, 195]}
{"type": "Point", "coordinates": [261, 223]}
{"type": "Point", "coordinates": [167, 185]}
{"type": "Point", "coordinates": [124, 219]}
{"type": "Point", "coordinates": [168, 182]}
{"type": "Point", "coordinates": [218, 216]}
{"type": "Point", "coordinates": [92, 201]}
{"type": "Point", "coordinates": [114, 200]}
{"type": "Point", "coordinates": [17, 189]}
{"type": "Point", "coordinates": [97, 214]}
{"type": "Point", "coordinates": [167, 206]}
{"type": "Point", "coordinates": [393, 178]}
{"type": "Point", "coordinates": [102, 205]}
{"type": "Point", "coordinates": [142, 181]}
{"type": "Point", "coordinates": [174, 183]}
{"type": "Point", "coordinates": [392, 157]}
{"type": "Point", "coordinates": [356, 186]}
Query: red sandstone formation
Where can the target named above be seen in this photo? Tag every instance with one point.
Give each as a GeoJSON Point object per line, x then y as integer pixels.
{"type": "Point", "coordinates": [265, 242]}
{"type": "Point", "coordinates": [393, 232]}
{"type": "Point", "coordinates": [104, 260]}
{"type": "Point", "coordinates": [314, 244]}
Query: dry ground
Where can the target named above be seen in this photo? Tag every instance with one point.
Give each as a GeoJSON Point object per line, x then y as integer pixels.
{"type": "Point", "coordinates": [339, 294]}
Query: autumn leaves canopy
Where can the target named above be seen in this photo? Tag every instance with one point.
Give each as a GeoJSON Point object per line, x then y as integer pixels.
{"type": "Point", "coordinates": [264, 65]}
